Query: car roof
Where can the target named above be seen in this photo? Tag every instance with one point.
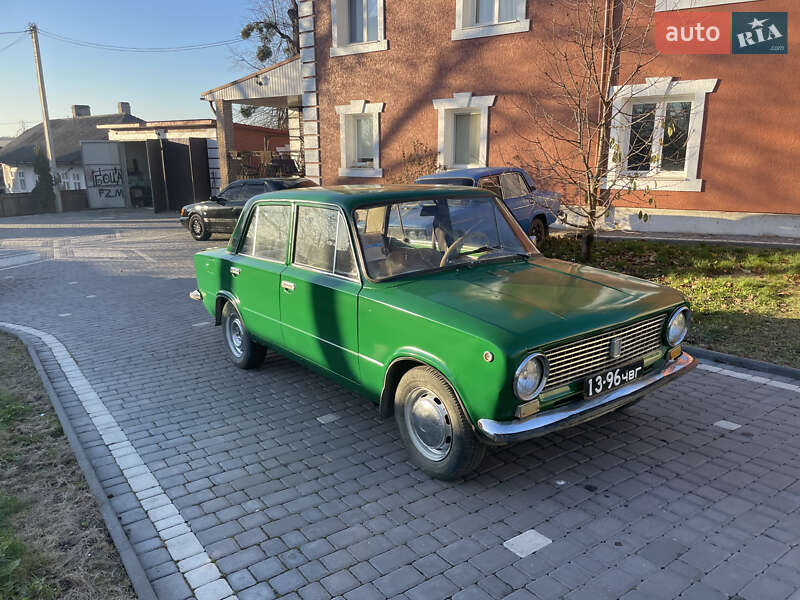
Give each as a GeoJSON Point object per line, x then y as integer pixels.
{"type": "Point", "coordinates": [350, 197]}
{"type": "Point", "coordinates": [266, 179]}
{"type": "Point", "coordinates": [471, 173]}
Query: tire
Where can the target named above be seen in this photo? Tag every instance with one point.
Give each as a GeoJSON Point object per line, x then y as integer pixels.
{"type": "Point", "coordinates": [242, 350]}
{"type": "Point", "coordinates": [538, 230]}
{"type": "Point", "coordinates": [450, 449]}
{"type": "Point", "coordinates": [197, 228]}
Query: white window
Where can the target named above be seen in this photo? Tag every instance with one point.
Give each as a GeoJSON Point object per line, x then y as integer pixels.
{"type": "Point", "coordinates": [662, 5]}
{"type": "Point", "coordinates": [482, 18]}
{"type": "Point", "coordinates": [76, 180]}
{"type": "Point", "coordinates": [657, 133]}
{"type": "Point", "coordinates": [21, 180]}
{"type": "Point", "coordinates": [359, 133]}
{"type": "Point", "coordinates": [357, 26]}
{"type": "Point", "coordinates": [463, 137]}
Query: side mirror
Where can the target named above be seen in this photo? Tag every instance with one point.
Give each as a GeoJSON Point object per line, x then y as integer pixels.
{"type": "Point", "coordinates": [218, 199]}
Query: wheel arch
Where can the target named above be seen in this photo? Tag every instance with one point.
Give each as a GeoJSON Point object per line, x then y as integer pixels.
{"type": "Point", "coordinates": [222, 298]}
{"type": "Point", "coordinates": [401, 365]}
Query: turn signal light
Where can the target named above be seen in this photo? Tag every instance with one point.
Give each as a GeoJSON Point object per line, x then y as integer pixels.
{"type": "Point", "coordinates": [675, 353]}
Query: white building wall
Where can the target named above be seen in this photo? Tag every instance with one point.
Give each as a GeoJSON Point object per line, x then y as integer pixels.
{"type": "Point", "coordinates": [21, 180]}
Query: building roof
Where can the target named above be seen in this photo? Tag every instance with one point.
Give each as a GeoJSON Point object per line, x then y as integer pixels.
{"type": "Point", "coordinates": [67, 137]}
{"type": "Point", "coordinates": [185, 124]}
{"type": "Point", "coordinates": [282, 82]}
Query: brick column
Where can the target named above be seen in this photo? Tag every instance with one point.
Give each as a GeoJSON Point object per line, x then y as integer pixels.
{"type": "Point", "coordinates": [224, 110]}
{"type": "Point", "coordinates": [310, 108]}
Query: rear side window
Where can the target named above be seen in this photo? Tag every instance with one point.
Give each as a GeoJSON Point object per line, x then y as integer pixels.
{"type": "Point", "coordinates": [322, 242]}
{"type": "Point", "coordinates": [491, 183]}
{"type": "Point", "coordinates": [268, 232]}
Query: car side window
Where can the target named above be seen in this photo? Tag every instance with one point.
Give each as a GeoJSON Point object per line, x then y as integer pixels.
{"type": "Point", "coordinates": [252, 189]}
{"type": "Point", "coordinates": [231, 192]}
{"type": "Point", "coordinates": [514, 186]}
{"type": "Point", "coordinates": [322, 242]}
{"type": "Point", "coordinates": [268, 232]}
{"type": "Point", "coordinates": [491, 183]}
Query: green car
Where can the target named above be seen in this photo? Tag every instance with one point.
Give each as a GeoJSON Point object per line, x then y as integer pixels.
{"type": "Point", "coordinates": [433, 302]}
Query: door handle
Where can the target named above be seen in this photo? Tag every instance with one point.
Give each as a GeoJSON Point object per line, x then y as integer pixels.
{"type": "Point", "coordinates": [235, 271]}
{"type": "Point", "coordinates": [287, 285]}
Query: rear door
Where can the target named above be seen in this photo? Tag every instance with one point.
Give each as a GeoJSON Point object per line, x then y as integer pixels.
{"type": "Point", "coordinates": [255, 270]}
{"type": "Point", "coordinates": [319, 292]}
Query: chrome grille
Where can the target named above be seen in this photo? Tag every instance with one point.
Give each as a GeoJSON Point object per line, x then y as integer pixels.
{"type": "Point", "coordinates": [583, 357]}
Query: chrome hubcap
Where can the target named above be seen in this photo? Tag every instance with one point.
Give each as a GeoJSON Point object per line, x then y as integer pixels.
{"type": "Point", "coordinates": [234, 333]}
{"type": "Point", "coordinates": [197, 227]}
{"type": "Point", "coordinates": [428, 424]}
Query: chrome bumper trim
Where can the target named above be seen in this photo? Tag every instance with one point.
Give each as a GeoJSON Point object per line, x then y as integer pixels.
{"type": "Point", "coordinates": [581, 411]}
{"type": "Point", "coordinates": [195, 295]}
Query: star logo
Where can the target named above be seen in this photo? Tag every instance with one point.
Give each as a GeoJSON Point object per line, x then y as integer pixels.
{"type": "Point", "coordinates": [756, 23]}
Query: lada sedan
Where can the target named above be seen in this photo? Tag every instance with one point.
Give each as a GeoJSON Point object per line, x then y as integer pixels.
{"type": "Point", "coordinates": [433, 302]}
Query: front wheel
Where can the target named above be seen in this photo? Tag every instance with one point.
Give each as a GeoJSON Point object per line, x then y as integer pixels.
{"type": "Point", "coordinates": [242, 350]}
{"type": "Point", "coordinates": [197, 228]}
{"type": "Point", "coordinates": [433, 426]}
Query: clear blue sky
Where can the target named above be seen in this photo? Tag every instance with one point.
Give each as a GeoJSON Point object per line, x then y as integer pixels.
{"type": "Point", "coordinates": [158, 86]}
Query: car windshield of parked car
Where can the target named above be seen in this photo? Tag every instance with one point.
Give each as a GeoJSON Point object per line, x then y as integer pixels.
{"type": "Point", "coordinates": [424, 235]}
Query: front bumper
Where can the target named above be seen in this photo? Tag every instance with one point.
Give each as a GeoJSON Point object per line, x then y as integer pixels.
{"type": "Point", "coordinates": [579, 412]}
{"type": "Point", "coordinates": [185, 221]}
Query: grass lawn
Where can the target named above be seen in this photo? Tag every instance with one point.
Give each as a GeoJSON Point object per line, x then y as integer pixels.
{"type": "Point", "coordinates": [53, 542]}
{"type": "Point", "coordinates": [745, 301]}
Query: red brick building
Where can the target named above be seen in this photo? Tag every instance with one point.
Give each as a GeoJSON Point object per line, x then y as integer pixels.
{"type": "Point", "coordinates": [376, 78]}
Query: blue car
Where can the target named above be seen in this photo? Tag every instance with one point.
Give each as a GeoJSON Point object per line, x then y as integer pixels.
{"type": "Point", "coordinates": [534, 209]}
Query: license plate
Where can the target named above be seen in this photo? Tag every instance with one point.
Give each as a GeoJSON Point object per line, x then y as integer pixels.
{"type": "Point", "coordinates": [605, 381]}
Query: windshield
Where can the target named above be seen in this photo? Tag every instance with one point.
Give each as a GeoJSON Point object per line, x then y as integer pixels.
{"type": "Point", "coordinates": [422, 235]}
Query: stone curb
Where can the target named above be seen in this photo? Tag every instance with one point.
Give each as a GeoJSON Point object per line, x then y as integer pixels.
{"type": "Point", "coordinates": [745, 363]}
{"type": "Point", "coordinates": [130, 560]}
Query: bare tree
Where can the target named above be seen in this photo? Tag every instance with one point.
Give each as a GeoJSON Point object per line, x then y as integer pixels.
{"type": "Point", "coordinates": [591, 51]}
{"type": "Point", "coordinates": [274, 28]}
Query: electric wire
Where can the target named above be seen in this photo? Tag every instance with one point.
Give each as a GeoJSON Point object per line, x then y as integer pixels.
{"type": "Point", "coordinates": [6, 47]}
{"type": "Point", "coordinates": [138, 49]}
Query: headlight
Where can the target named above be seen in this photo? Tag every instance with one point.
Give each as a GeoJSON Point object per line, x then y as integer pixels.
{"type": "Point", "coordinates": [530, 377]}
{"type": "Point", "coordinates": [678, 326]}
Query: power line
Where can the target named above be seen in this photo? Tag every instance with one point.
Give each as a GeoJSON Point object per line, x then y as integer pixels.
{"type": "Point", "coordinates": [4, 48]}
{"type": "Point", "coordinates": [13, 32]}
{"type": "Point", "coordinates": [115, 48]}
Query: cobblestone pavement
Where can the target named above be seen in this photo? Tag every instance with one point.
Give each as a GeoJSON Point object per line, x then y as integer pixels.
{"type": "Point", "coordinates": [665, 499]}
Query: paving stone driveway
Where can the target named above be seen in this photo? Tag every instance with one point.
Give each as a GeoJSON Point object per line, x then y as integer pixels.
{"type": "Point", "coordinates": [652, 502]}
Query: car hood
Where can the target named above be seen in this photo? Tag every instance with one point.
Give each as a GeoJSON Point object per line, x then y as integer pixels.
{"type": "Point", "coordinates": [538, 301]}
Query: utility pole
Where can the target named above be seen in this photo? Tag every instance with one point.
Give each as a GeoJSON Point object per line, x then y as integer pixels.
{"type": "Point", "coordinates": [48, 137]}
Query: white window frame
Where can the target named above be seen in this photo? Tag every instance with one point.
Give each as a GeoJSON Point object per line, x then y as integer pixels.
{"type": "Point", "coordinates": [347, 137]}
{"type": "Point", "coordinates": [466, 28]}
{"type": "Point", "coordinates": [660, 90]}
{"type": "Point", "coordinates": [666, 5]}
{"type": "Point", "coordinates": [20, 177]}
{"type": "Point", "coordinates": [461, 103]}
{"type": "Point", "coordinates": [340, 30]}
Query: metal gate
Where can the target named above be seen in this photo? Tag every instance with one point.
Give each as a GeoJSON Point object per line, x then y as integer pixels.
{"type": "Point", "coordinates": [105, 178]}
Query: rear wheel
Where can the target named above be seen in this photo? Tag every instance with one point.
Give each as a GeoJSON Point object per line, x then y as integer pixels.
{"type": "Point", "coordinates": [433, 426]}
{"type": "Point", "coordinates": [242, 350]}
{"type": "Point", "coordinates": [538, 230]}
{"type": "Point", "coordinates": [197, 228]}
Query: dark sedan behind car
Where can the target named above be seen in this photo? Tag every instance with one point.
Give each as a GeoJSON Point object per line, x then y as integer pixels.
{"type": "Point", "coordinates": [220, 213]}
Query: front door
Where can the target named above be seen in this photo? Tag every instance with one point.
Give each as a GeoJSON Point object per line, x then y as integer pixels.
{"type": "Point", "coordinates": [319, 292]}
{"type": "Point", "coordinates": [255, 271]}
